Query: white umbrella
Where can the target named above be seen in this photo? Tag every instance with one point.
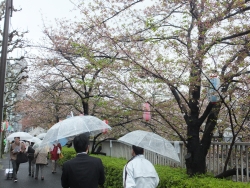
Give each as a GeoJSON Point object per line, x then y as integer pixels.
{"type": "Point", "coordinates": [151, 142]}
{"type": "Point", "coordinates": [35, 140]}
{"type": "Point", "coordinates": [71, 127]}
{"type": "Point", "coordinates": [37, 131]}
{"type": "Point", "coordinates": [22, 135]}
{"type": "Point", "coordinates": [40, 148]}
{"type": "Point", "coordinates": [41, 136]}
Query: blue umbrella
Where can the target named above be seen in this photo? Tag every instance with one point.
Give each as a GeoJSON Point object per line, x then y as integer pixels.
{"type": "Point", "coordinates": [62, 141]}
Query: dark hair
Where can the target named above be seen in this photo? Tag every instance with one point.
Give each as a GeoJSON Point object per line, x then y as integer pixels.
{"type": "Point", "coordinates": [137, 150]}
{"type": "Point", "coordinates": [17, 137]}
{"type": "Point", "coordinates": [81, 143]}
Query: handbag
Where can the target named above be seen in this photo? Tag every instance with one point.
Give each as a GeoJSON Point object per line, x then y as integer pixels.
{"type": "Point", "coordinates": [22, 157]}
{"type": "Point", "coordinates": [61, 156]}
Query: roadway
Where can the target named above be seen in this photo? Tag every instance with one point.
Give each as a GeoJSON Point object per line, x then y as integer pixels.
{"type": "Point", "coordinates": [26, 181]}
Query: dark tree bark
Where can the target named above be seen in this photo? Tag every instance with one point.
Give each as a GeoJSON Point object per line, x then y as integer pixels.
{"type": "Point", "coordinates": [197, 148]}
{"type": "Point", "coordinates": [94, 145]}
{"type": "Point", "coordinates": [232, 172]}
{"type": "Point", "coordinates": [85, 107]}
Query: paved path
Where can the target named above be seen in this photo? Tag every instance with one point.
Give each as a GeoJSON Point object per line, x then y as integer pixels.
{"type": "Point", "coordinates": [25, 181]}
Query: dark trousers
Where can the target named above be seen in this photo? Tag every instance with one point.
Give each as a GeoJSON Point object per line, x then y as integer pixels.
{"type": "Point", "coordinates": [31, 167]}
{"type": "Point", "coordinates": [15, 167]}
{"type": "Point", "coordinates": [41, 167]}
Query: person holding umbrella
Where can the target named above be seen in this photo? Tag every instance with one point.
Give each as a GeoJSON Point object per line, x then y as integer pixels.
{"type": "Point", "coordinates": [54, 155]}
{"type": "Point", "coordinates": [30, 153]}
{"type": "Point", "coordinates": [139, 172]}
{"type": "Point", "coordinates": [16, 147]}
{"type": "Point", "coordinates": [40, 157]}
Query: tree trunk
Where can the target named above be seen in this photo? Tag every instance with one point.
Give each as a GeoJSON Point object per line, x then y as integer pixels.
{"type": "Point", "coordinates": [197, 148]}
{"type": "Point", "coordinates": [232, 172]}
{"type": "Point", "coordinates": [94, 141]}
{"type": "Point", "coordinates": [196, 157]}
{"type": "Point", "coordinates": [85, 108]}
{"type": "Point", "coordinates": [195, 160]}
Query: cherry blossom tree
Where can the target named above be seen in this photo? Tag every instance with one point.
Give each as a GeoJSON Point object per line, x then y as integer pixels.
{"type": "Point", "coordinates": [182, 44]}
{"type": "Point", "coordinates": [163, 52]}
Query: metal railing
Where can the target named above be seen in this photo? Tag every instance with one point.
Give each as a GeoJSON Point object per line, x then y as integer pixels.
{"type": "Point", "coordinates": [239, 159]}
{"type": "Point", "coordinates": [215, 159]}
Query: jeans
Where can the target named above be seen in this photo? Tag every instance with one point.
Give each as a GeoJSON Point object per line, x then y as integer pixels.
{"type": "Point", "coordinates": [15, 167]}
{"type": "Point", "coordinates": [39, 166]}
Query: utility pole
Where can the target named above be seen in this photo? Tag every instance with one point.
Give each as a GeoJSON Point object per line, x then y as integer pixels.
{"type": "Point", "coordinates": [8, 9]}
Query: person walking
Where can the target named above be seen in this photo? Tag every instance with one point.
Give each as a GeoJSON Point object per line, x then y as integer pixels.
{"type": "Point", "coordinates": [139, 172]}
{"type": "Point", "coordinates": [41, 161]}
{"type": "Point", "coordinates": [83, 171]}
{"type": "Point", "coordinates": [30, 153]}
{"type": "Point", "coordinates": [16, 147]}
{"type": "Point", "coordinates": [54, 155]}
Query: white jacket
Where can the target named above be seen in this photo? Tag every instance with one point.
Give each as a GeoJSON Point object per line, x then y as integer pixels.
{"type": "Point", "coordinates": [140, 174]}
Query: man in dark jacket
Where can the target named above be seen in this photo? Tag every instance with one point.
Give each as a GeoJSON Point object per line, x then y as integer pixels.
{"type": "Point", "coordinates": [30, 154]}
{"type": "Point", "coordinates": [83, 171]}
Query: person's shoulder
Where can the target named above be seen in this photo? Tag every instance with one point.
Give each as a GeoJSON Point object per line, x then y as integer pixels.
{"type": "Point", "coordinates": [13, 145]}
{"type": "Point", "coordinates": [140, 158]}
{"type": "Point", "coordinates": [69, 162]}
{"type": "Point", "coordinates": [144, 159]}
{"type": "Point", "coordinates": [148, 163]}
{"type": "Point", "coordinates": [94, 158]}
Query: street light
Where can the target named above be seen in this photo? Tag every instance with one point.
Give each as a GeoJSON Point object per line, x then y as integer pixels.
{"type": "Point", "coordinates": [8, 9]}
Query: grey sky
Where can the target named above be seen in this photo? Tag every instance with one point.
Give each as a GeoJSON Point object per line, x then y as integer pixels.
{"type": "Point", "coordinates": [33, 11]}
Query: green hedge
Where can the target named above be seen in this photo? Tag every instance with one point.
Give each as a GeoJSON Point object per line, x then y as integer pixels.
{"type": "Point", "coordinates": [169, 177]}
{"type": "Point", "coordinates": [68, 153]}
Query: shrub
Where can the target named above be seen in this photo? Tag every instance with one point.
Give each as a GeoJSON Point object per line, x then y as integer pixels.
{"type": "Point", "coordinates": [68, 153]}
{"type": "Point", "coordinates": [169, 177]}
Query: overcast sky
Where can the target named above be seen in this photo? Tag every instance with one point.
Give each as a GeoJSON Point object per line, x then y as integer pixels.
{"type": "Point", "coordinates": [33, 11]}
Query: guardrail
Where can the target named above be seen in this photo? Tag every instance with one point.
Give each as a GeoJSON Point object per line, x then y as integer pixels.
{"type": "Point", "coordinates": [215, 159]}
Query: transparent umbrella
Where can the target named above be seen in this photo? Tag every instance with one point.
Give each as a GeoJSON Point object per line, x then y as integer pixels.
{"type": "Point", "coordinates": [71, 127]}
{"type": "Point", "coordinates": [41, 136]}
{"type": "Point", "coordinates": [35, 140]}
{"type": "Point", "coordinates": [22, 135]}
{"type": "Point", "coordinates": [40, 148]}
{"type": "Point", "coordinates": [151, 142]}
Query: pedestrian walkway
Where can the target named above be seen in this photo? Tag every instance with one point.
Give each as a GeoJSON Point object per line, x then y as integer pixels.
{"type": "Point", "coordinates": [26, 181]}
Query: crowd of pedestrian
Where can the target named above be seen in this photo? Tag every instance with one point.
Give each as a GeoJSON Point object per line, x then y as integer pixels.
{"type": "Point", "coordinates": [37, 158]}
{"type": "Point", "coordinates": [83, 170]}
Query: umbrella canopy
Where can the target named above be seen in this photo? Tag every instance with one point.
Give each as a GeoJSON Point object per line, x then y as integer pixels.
{"type": "Point", "coordinates": [41, 136]}
{"type": "Point", "coordinates": [22, 135]}
{"type": "Point", "coordinates": [38, 145]}
{"type": "Point", "coordinates": [152, 142]}
{"type": "Point", "coordinates": [71, 127]}
{"type": "Point", "coordinates": [35, 140]}
{"type": "Point", "coordinates": [37, 131]}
